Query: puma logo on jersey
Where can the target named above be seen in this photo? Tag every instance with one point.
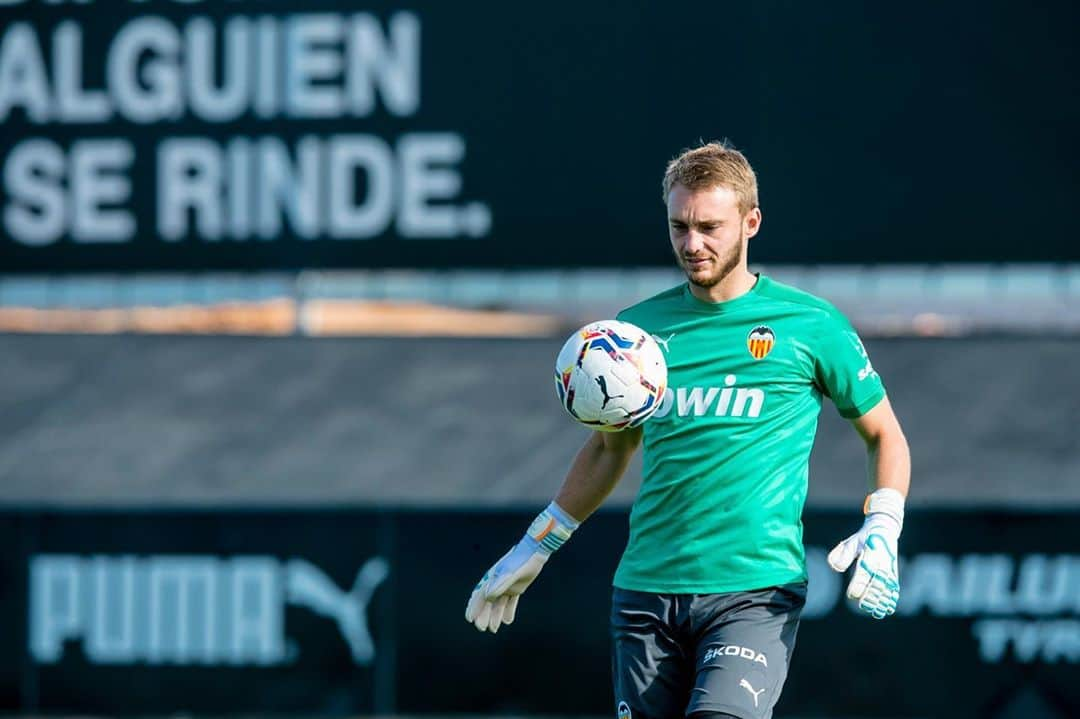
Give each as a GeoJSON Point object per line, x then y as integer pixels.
{"type": "Point", "coordinates": [664, 342]}
{"type": "Point", "coordinates": [726, 401]}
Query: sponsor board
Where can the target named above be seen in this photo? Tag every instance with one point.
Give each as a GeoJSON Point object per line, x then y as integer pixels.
{"type": "Point", "coordinates": [178, 135]}
{"type": "Point", "coordinates": [189, 609]}
{"type": "Point", "coordinates": [1026, 607]}
{"type": "Point", "coordinates": [312, 611]}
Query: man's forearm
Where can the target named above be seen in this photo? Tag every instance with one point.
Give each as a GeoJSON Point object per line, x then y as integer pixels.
{"type": "Point", "coordinates": [875, 584]}
{"type": "Point", "coordinates": [595, 472]}
{"type": "Point", "coordinates": [890, 463]}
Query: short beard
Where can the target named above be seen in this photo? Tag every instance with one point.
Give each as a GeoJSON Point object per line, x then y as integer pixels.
{"type": "Point", "coordinates": [728, 265]}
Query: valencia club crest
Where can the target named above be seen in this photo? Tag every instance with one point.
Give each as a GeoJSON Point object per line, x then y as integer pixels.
{"type": "Point", "coordinates": [760, 341]}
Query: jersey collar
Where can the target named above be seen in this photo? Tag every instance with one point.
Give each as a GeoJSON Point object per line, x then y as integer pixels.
{"type": "Point", "coordinates": [728, 305]}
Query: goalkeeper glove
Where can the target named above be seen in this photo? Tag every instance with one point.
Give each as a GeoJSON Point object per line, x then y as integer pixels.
{"type": "Point", "coordinates": [875, 585]}
{"type": "Point", "coordinates": [494, 600]}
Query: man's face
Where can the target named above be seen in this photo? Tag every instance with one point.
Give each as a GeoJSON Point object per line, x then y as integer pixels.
{"type": "Point", "coordinates": [708, 234]}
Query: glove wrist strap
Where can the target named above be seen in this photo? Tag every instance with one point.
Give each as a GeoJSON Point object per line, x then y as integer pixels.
{"type": "Point", "coordinates": [883, 505]}
{"type": "Point", "coordinates": [551, 529]}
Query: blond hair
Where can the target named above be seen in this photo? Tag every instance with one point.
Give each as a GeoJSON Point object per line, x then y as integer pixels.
{"type": "Point", "coordinates": [713, 165]}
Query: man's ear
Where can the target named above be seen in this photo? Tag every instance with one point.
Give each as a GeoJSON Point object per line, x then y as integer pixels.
{"type": "Point", "coordinates": [752, 222]}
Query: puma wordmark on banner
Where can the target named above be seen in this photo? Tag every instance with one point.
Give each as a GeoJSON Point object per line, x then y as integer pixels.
{"type": "Point", "coordinates": [189, 609]}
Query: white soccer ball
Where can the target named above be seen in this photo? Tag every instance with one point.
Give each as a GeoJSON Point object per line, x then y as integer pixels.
{"type": "Point", "coordinates": [610, 375]}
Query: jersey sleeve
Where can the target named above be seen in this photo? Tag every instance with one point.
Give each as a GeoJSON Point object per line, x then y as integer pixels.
{"type": "Point", "coordinates": [843, 370]}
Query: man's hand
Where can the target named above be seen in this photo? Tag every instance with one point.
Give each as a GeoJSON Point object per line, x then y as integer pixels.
{"type": "Point", "coordinates": [494, 600]}
{"type": "Point", "coordinates": [875, 585]}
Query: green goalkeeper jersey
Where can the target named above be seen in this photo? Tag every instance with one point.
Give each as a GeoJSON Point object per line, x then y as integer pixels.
{"type": "Point", "coordinates": [726, 456]}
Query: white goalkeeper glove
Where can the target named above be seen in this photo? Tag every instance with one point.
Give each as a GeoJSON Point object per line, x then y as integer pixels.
{"type": "Point", "coordinates": [875, 584]}
{"type": "Point", "coordinates": [494, 600]}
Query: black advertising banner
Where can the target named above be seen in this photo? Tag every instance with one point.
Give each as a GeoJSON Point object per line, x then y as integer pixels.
{"type": "Point", "coordinates": [988, 623]}
{"type": "Point", "coordinates": [202, 612]}
{"type": "Point", "coordinates": [334, 612]}
{"type": "Point", "coordinates": [279, 134]}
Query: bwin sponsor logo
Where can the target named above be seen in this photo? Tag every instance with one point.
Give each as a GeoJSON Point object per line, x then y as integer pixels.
{"type": "Point", "coordinates": [189, 609]}
{"type": "Point", "coordinates": [726, 401]}
{"type": "Point", "coordinates": [731, 650]}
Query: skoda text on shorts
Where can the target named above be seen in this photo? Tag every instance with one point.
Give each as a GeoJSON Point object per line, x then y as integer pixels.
{"type": "Point", "coordinates": [714, 568]}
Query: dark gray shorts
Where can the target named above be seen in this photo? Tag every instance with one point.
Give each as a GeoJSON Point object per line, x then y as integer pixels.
{"type": "Point", "coordinates": [675, 654]}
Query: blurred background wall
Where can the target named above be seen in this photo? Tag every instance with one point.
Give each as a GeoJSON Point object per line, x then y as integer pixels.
{"type": "Point", "coordinates": [281, 284]}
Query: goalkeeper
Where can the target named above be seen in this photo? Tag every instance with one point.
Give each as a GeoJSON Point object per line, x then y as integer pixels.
{"type": "Point", "coordinates": [709, 591]}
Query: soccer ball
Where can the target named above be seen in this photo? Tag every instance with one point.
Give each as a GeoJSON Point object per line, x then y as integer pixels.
{"type": "Point", "coordinates": [610, 375]}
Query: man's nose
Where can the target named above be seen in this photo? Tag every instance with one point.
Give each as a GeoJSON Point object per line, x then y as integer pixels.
{"type": "Point", "coordinates": [695, 242]}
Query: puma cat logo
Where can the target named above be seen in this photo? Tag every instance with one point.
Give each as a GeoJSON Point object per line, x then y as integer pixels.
{"type": "Point", "coordinates": [603, 388]}
{"type": "Point", "coordinates": [746, 685]}
{"type": "Point", "coordinates": [664, 343]}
